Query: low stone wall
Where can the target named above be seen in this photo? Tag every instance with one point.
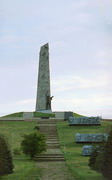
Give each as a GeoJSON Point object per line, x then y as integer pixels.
{"type": "Point", "coordinates": [82, 138]}
{"type": "Point", "coordinates": [29, 119]}
{"type": "Point", "coordinates": [63, 114]}
{"type": "Point", "coordinates": [85, 121]}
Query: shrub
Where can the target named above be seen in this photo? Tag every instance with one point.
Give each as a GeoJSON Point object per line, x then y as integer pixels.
{"type": "Point", "coordinates": [96, 158]}
{"type": "Point", "coordinates": [36, 128]}
{"type": "Point", "coordinates": [107, 163]}
{"type": "Point", "coordinates": [92, 159]}
{"type": "Point", "coordinates": [101, 158]}
{"type": "Point", "coordinates": [6, 165]}
{"type": "Point", "coordinates": [33, 144]}
{"type": "Point", "coordinates": [16, 151]}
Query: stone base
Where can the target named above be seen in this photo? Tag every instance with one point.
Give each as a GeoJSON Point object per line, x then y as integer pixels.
{"type": "Point", "coordinates": [27, 115]}
{"type": "Point", "coordinates": [45, 111]}
{"type": "Point", "coordinates": [63, 114]}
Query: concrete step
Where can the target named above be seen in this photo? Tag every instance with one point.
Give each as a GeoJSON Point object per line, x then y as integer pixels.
{"type": "Point", "coordinates": [54, 137]}
{"type": "Point", "coordinates": [46, 121]}
{"type": "Point", "coordinates": [49, 132]}
{"type": "Point", "coordinates": [50, 157]}
{"type": "Point", "coordinates": [46, 134]}
{"type": "Point", "coordinates": [53, 146]}
{"type": "Point", "coordinates": [52, 143]}
{"type": "Point", "coordinates": [53, 140]}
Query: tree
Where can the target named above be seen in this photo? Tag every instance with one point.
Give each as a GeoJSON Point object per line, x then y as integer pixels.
{"type": "Point", "coordinates": [96, 158]}
{"type": "Point", "coordinates": [92, 159]}
{"type": "Point", "coordinates": [107, 163]}
{"type": "Point", "coordinates": [6, 165]}
{"type": "Point", "coordinates": [101, 158]}
{"type": "Point", "coordinates": [33, 144]}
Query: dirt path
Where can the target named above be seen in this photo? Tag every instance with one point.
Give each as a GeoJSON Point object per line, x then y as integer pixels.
{"type": "Point", "coordinates": [54, 171]}
{"type": "Point", "coordinates": [52, 163]}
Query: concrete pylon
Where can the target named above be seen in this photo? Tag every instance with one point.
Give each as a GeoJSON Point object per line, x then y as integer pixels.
{"type": "Point", "coordinates": [43, 100]}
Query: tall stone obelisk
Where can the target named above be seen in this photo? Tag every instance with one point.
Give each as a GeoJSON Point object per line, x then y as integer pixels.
{"type": "Point", "coordinates": [43, 100]}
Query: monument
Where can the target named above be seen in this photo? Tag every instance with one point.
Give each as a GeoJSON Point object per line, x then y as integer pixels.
{"type": "Point", "coordinates": [43, 100]}
{"type": "Point", "coordinates": [87, 150]}
{"type": "Point", "coordinates": [90, 138]}
{"type": "Point", "coordinates": [73, 121]}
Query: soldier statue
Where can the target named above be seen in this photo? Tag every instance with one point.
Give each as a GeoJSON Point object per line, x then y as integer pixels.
{"type": "Point", "coordinates": [48, 102]}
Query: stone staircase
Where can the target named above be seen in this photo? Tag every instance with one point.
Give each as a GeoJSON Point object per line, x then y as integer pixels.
{"type": "Point", "coordinates": [50, 157]}
{"type": "Point", "coordinates": [53, 153]}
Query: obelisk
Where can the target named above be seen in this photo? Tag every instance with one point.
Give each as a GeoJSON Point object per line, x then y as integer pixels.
{"type": "Point", "coordinates": [43, 100]}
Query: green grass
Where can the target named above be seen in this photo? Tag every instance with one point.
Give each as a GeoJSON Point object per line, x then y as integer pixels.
{"type": "Point", "coordinates": [77, 115]}
{"type": "Point", "coordinates": [18, 114]}
{"type": "Point", "coordinates": [72, 151]}
{"type": "Point", "coordinates": [38, 114]}
{"type": "Point", "coordinates": [24, 169]}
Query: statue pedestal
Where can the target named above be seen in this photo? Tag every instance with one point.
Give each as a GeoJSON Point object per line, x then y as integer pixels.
{"type": "Point", "coordinates": [45, 111]}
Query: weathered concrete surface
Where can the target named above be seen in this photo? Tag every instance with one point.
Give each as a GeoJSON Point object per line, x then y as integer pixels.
{"type": "Point", "coordinates": [28, 115]}
{"type": "Point", "coordinates": [63, 114]}
{"type": "Point", "coordinates": [82, 138]}
{"type": "Point", "coordinates": [87, 150]}
{"type": "Point", "coordinates": [43, 87]}
{"type": "Point", "coordinates": [85, 121]}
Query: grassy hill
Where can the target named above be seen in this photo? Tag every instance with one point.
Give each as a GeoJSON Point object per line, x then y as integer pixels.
{"type": "Point", "coordinates": [72, 151]}
{"type": "Point", "coordinates": [78, 165]}
{"type": "Point", "coordinates": [23, 167]}
{"type": "Point", "coordinates": [37, 114]}
{"type": "Point", "coordinates": [17, 114]}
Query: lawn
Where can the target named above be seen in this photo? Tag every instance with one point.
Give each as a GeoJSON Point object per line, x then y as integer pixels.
{"type": "Point", "coordinates": [24, 168]}
{"type": "Point", "coordinates": [72, 151]}
{"type": "Point", "coordinates": [78, 165]}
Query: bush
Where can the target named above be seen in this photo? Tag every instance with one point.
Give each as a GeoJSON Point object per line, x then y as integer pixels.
{"type": "Point", "coordinates": [96, 158]}
{"type": "Point", "coordinates": [36, 128]}
{"type": "Point", "coordinates": [101, 158]}
{"type": "Point", "coordinates": [107, 163]}
{"type": "Point", "coordinates": [16, 151]}
{"type": "Point", "coordinates": [33, 144]}
{"type": "Point", "coordinates": [92, 159]}
{"type": "Point", "coordinates": [6, 165]}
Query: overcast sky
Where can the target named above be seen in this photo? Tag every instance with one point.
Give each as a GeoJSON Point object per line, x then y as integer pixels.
{"type": "Point", "coordinates": [79, 33]}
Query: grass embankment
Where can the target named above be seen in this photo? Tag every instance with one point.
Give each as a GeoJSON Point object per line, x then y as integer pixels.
{"type": "Point", "coordinates": [24, 169]}
{"type": "Point", "coordinates": [38, 114]}
{"type": "Point", "coordinates": [72, 151]}
{"type": "Point", "coordinates": [18, 114]}
{"type": "Point", "coordinates": [35, 114]}
{"type": "Point", "coordinates": [77, 115]}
